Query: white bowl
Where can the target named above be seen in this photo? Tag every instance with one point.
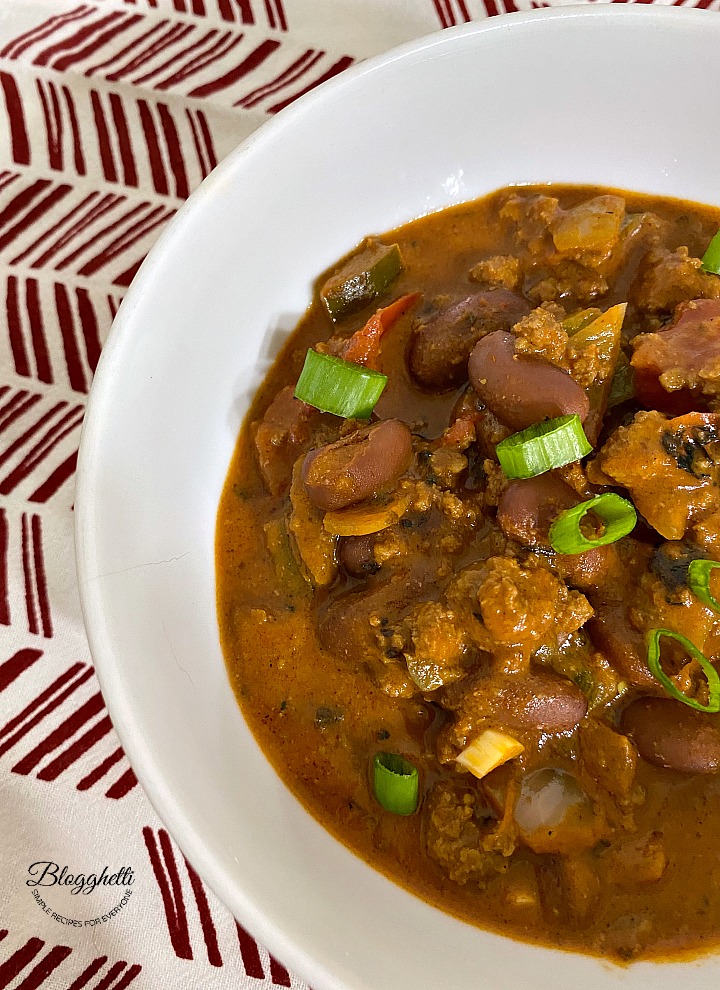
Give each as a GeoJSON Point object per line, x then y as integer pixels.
{"type": "Point", "coordinates": [609, 95]}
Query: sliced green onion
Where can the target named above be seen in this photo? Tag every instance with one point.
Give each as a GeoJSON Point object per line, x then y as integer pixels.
{"type": "Point", "coordinates": [713, 678]}
{"type": "Point", "coordinates": [699, 582]}
{"type": "Point", "coordinates": [711, 258]}
{"type": "Point", "coordinates": [339, 387]}
{"type": "Point", "coordinates": [395, 782]}
{"type": "Point", "coordinates": [542, 447]}
{"type": "Point", "coordinates": [617, 514]}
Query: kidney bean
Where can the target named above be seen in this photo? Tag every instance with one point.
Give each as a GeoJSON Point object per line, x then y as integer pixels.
{"type": "Point", "coordinates": [669, 734]}
{"type": "Point", "coordinates": [522, 391]}
{"type": "Point", "coordinates": [440, 348]}
{"type": "Point", "coordinates": [358, 466]}
{"type": "Point", "coordinates": [540, 701]}
{"type": "Point", "coordinates": [355, 555]}
{"type": "Point", "coordinates": [527, 508]}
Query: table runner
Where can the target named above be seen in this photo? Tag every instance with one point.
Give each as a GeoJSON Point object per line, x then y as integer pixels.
{"type": "Point", "coordinates": [111, 113]}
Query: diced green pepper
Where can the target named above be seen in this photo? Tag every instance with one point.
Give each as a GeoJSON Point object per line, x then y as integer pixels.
{"type": "Point", "coordinates": [623, 383]}
{"type": "Point", "coordinates": [361, 279]}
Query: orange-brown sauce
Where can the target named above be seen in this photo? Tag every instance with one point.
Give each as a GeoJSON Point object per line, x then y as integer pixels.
{"type": "Point", "coordinates": [286, 683]}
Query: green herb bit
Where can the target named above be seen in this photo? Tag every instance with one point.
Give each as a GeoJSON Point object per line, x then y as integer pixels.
{"type": "Point", "coordinates": [699, 572]}
{"type": "Point", "coordinates": [395, 782]}
{"type": "Point", "coordinates": [711, 258]}
{"type": "Point", "coordinates": [542, 447]}
{"type": "Point", "coordinates": [339, 387]}
{"type": "Point", "coordinates": [617, 515]}
{"type": "Point", "coordinates": [713, 678]}
{"type": "Point", "coordinates": [361, 279]}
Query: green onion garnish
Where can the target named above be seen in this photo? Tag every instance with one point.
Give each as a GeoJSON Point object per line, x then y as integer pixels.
{"type": "Point", "coordinates": [713, 678]}
{"type": "Point", "coordinates": [395, 782]}
{"type": "Point", "coordinates": [339, 387]}
{"type": "Point", "coordinates": [617, 515]}
{"type": "Point", "coordinates": [711, 258]}
{"type": "Point", "coordinates": [542, 447]}
{"type": "Point", "coordinates": [699, 582]}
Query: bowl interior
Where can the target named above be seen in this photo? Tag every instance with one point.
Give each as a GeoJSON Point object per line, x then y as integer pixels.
{"type": "Point", "coordinates": [596, 94]}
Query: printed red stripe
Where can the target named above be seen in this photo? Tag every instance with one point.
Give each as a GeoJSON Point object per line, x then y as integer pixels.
{"type": "Point", "coordinates": [23, 199]}
{"type": "Point", "coordinates": [139, 80]}
{"type": "Point", "coordinates": [122, 786]}
{"type": "Point", "coordinates": [215, 53]}
{"type": "Point", "coordinates": [55, 480]}
{"type": "Point", "coordinates": [126, 277]}
{"type": "Point", "coordinates": [19, 45]}
{"type": "Point", "coordinates": [106, 204]}
{"type": "Point", "coordinates": [45, 967]}
{"type": "Point", "coordinates": [78, 155]}
{"type": "Point", "coordinates": [38, 425]}
{"type": "Point", "coordinates": [19, 960]}
{"type": "Point", "coordinates": [491, 8]}
{"type": "Point", "coordinates": [61, 734]}
{"type": "Point", "coordinates": [89, 324]}
{"type": "Point", "coordinates": [174, 33]}
{"type": "Point", "coordinates": [334, 70]}
{"type": "Point", "coordinates": [14, 324]}
{"type": "Point", "coordinates": [56, 226]}
{"type": "Point", "coordinates": [42, 358]}
{"type": "Point", "coordinates": [102, 234]}
{"type": "Point", "coordinates": [77, 749]}
{"type": "Point", "coordinates": [42, 712]}
{"type": "Point", "coordinates": [20, 146]}
{"type": "Point", "coordinates": [100, 770]}
{"type": "Point", "coordinates": [88, 973]}
{"type": "Point", "coordinates": [442, 12]}
{"type": "Point", "coordinates": [7, 670]}
{"type": "Point", "coordinates": [278, 974]}
{"type": "Point", "coordinates": [107, 157]}
{"type": "Point", "coordinates": [206, 921]}
{"type": "Point", "coordinates": [37, 703]}
{"type": "Point", "coordinates": [135, 43]}
{"type": "Point", "coordinates": [127, 978]}
{"type": "Point", "coordinates": [138, 231]}
{"type": "Point", "coordinates": [126, 153]}
{"type": "Point", "coordinates": [30, 605]}
{"type": "Point", "coordinates": [11, 669]}
{"type": "Point", "coordinates": [204, 167]}
{"type": "Point", "coordinates": [62, 64]}
{"type": "Point", "coordinates": [207, 138]}
{"type": "Point", "coordinates": [250, 954]}
{"type": "Point", "coordinates": [464, 12]}
{"type": "Point", "coordinates": [54, 147]}
{"type": "Point", "coordinates": [41, 577]}
{"type": "Point", "coordinates": [282, 20]}
{"type": "Point", "coordinates": [170, 891]}
{"type": "Point", "coordinates": [20, 403]}
{"type": "Point", "coordinates": [67, 329]}
{"type": "Point", "coordinates": [46, 204]}
{"type": "Point", "coordinates": [293, 72]}
{"type": "Point", "coordinates": [157, 167]}
{"type": "Point", "coordinates": [76, 39]}
{"type": "Point", "coordinates": [172, 142]}
{"type": "Point", "coordinates": [57, 115]}
{"type": "Point", "coordinates": [50, 440]}
{"type": "Point", "coordinates": [253, 60]}
{"type": "Point", "coordinates": [246, 13]}
{"type": "Point", "coordinates": [109, 978]}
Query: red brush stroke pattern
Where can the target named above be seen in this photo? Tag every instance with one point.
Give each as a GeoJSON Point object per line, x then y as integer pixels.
{"type": "Point", "coordinates": [41, 965]}
{"type": "Point", "coordinates": [85, 723]}
{"type": "Point", "coordinates": [177, 901]}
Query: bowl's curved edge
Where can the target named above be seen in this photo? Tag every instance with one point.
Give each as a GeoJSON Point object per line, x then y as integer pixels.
{"type": "Point", "coordinates": [141, 758]}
